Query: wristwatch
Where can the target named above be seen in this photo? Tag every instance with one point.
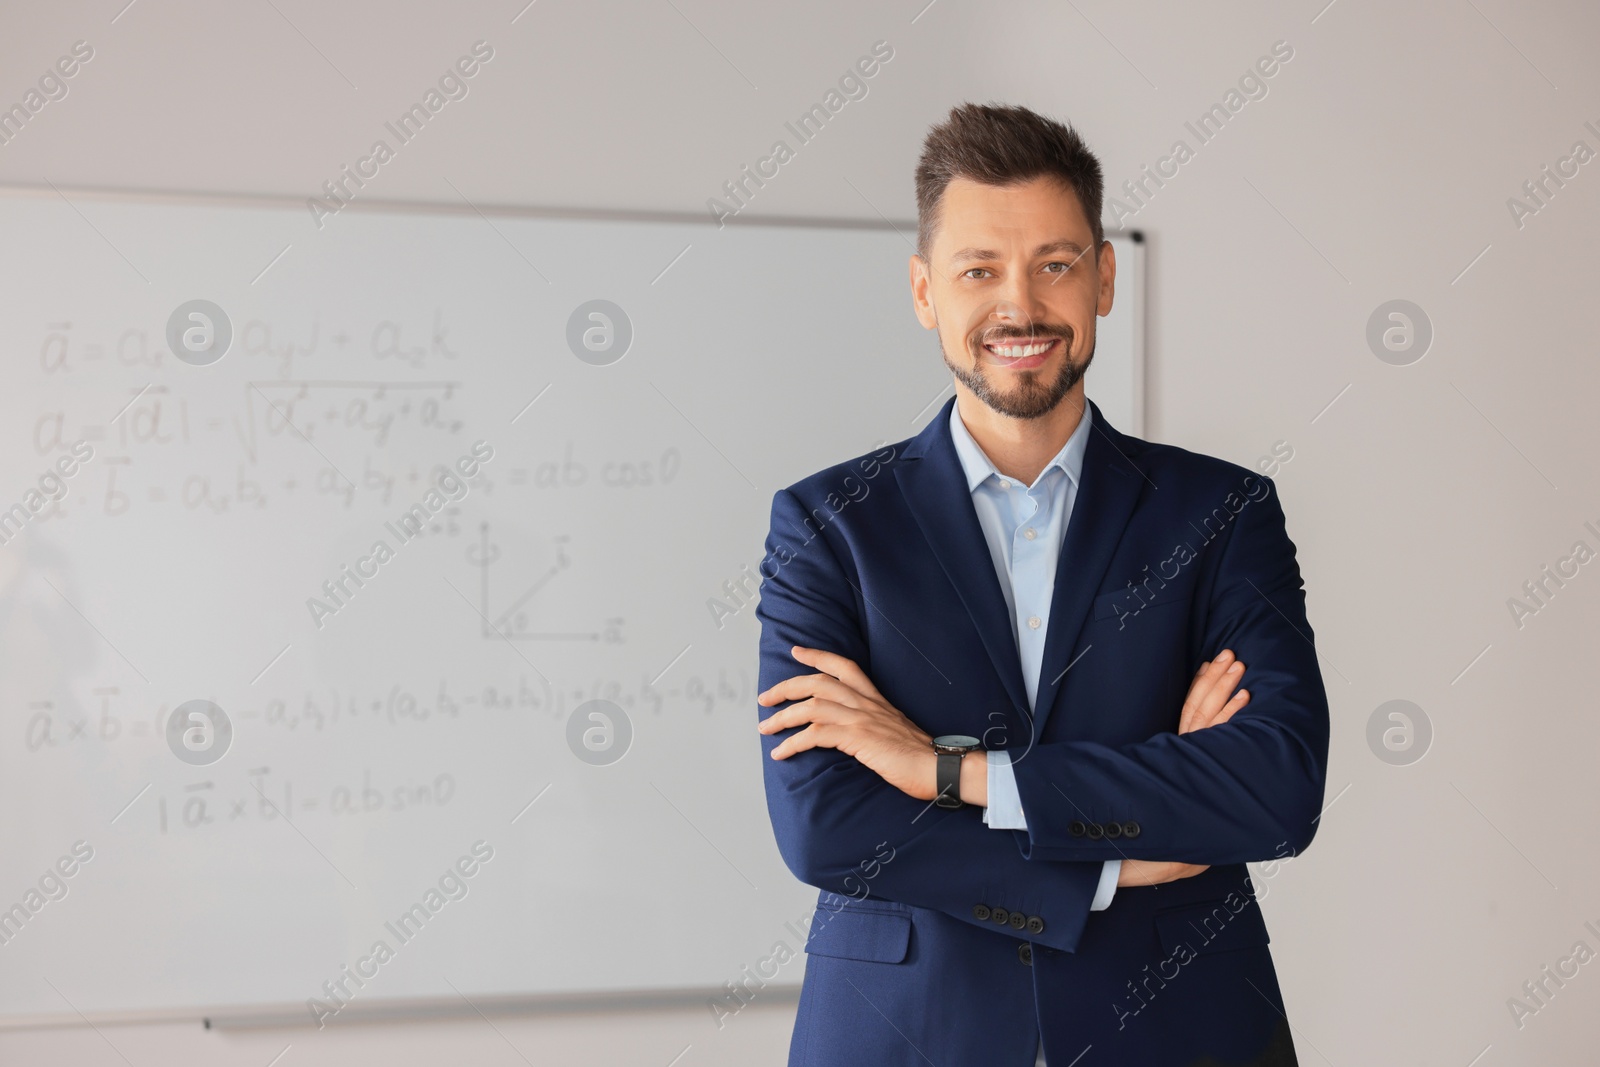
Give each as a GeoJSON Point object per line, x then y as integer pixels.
{"type": "Point", "coordinates": [951, 747]}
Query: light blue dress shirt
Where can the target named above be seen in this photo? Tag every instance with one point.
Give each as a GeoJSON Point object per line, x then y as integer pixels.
{"type": "Point", "coordinates": [1024, 527]}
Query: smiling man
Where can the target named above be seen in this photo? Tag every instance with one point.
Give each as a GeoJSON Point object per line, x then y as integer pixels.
{"type": "Point", "coordinates": [1003, 697]}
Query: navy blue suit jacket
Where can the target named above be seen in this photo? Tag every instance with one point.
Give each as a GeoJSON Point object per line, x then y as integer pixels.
{"type": "Point", "coordinates": [939, 939]}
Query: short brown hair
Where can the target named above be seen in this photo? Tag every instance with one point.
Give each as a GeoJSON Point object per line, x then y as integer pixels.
{"type": "Point", "coordinates": [998, 144]}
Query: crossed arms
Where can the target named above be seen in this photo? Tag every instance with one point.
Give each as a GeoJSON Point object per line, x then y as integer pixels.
{"type": "Point", "coordinates": [1240, 781]}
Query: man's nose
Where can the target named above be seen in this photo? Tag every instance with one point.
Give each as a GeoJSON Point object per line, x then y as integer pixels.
{"type": "Point", "coordinates": [1018, 311]}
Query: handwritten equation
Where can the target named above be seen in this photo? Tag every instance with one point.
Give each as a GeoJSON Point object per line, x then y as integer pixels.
{"type": "Point", "coordinates": [205, 804]}
{"type": "Point", "coordinates": [275, 452]}
{"type": "Point", "coordinates": [61, 352]}
{"type": "Point", "coordinates": [48, 727]}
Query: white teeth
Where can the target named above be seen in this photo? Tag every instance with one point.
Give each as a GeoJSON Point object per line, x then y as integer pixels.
{"type": "Point", "coordinates": [1020, 351]}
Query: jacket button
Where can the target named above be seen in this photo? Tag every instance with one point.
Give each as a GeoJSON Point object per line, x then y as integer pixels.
{"type": "Point", "coordinates": [1113, 830]}
{"type": "Point", "coordinates": [1096, 831]}
{"type": "Point", "coordinates": [1025, 954]}
{"type": "Point", "coordinates": [1130, 829]}
{"type": "Point", "coordinates": [1035, 925]}
{"type": "Point", "coordinates": [1018, 920]}
{"type": "Point", "coordinates": [1076, 828]}
{"type": "Point", "coordinates": [980, 912]}
{"type": "Point", "coordinates": [1001, 916]}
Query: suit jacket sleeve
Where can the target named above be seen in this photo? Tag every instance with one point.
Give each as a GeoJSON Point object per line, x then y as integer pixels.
{"type": "Point", "coordinates": [1243, 791]}
{"type": "Point", "coordinates": [835, 819]}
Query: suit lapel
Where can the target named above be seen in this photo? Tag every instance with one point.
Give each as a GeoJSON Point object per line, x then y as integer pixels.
{"type": "Point", "coordinates": [935, 489]}
{"type": "Point", "coordinates": [1108, 489]}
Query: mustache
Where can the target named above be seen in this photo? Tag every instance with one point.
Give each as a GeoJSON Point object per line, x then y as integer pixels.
{"type": "Point", "coordinates": [994, 334]}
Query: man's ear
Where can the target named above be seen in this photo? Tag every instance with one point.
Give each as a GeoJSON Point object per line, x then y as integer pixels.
{"type": "Point", "coordinates": [921, 301]}
{"type": "Point", "coordinates": [1108, 279]}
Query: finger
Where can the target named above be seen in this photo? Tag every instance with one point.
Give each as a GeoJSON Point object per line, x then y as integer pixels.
{"type": "Point", "coordinates": [806, 711]}
{"type": "Point", "coordinates": [1217, 695]}
{"type": "Point", "coordinates": [841, 667]}
{"type": "Point", "coordinates": [1223, 690]}
{"type": "Point", "coordinates": [793, 688]}
{"type": "Point", "coordinates": [770, 695]}
{"type": "Point", "coordinates": [812, 685]}
{"type": "Point", "coordinates": [1239, 700]}
{"type": "Point", "coordinates": [815, 710]}
{"type": "Point", "coordinates": [1192, 697]}
{"type": "Point", "coordinates": [1186, 713]}
{"type": "Point", "coordinates": [815, 736]}
{"type": "Point", "coordinates": [1209, 673]}
{"type": "Point", "coordinates": [1131, 873]}
{"type": "Point", "coordinates": [1145, 872]}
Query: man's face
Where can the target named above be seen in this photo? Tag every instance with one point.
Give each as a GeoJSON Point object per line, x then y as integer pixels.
{"type": "Point", "coordinates": [1013, 287]}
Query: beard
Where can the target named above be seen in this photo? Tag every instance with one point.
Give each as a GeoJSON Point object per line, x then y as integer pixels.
{"type": "Point", "coordinates": [1032, 397]}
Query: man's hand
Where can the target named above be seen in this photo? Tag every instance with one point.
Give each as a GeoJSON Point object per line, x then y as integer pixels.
{"type": "Point", "coordinates": [846, 712]}
{"type": "Point", "coordinates": [1211, 702]}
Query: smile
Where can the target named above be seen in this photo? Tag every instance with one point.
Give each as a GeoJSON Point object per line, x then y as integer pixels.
{"type": "Point", "coordinates": [1021, 354]}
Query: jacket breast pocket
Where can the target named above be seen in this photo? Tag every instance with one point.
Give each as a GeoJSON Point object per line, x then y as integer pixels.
{"type": "Point", "coordinates": [877, 931]}
{"type": "Point", "coordinates": [1212, 926]}
{"type": "Point", "coordinates": [1128, 603]}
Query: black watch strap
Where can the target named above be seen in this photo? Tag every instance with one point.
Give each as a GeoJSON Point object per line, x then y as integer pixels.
{"type": "Point", "coordinates": [948, 780]}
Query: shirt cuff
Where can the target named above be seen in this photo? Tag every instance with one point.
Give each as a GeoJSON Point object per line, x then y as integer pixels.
{"type": "Point", "coordinates": [1005, 805]}
{"type": "Point", "coordinates": [1005, 813]}
{"type": "Point", "coordinates": [1108, 885]}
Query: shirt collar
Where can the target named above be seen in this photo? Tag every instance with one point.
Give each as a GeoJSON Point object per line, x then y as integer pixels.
{"type": "Point", "coordinates": [978, 467]}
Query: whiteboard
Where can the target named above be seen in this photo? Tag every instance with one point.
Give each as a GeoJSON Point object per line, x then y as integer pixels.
{"type": "Point", "coordinates": [425, 738]}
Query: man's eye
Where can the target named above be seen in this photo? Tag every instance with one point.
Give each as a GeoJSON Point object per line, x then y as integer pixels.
{"type": "Point", "coordinates": [968, 273]}
{"type": "Point", "coordinates": [1064, 266]}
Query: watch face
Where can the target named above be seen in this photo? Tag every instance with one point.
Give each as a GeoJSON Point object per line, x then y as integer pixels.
{"type": "Point", "coordinates": [956, 742]}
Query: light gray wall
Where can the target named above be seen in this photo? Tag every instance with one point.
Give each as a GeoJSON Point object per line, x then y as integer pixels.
{"type": "Point", "coordinates": [1422, 497]}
